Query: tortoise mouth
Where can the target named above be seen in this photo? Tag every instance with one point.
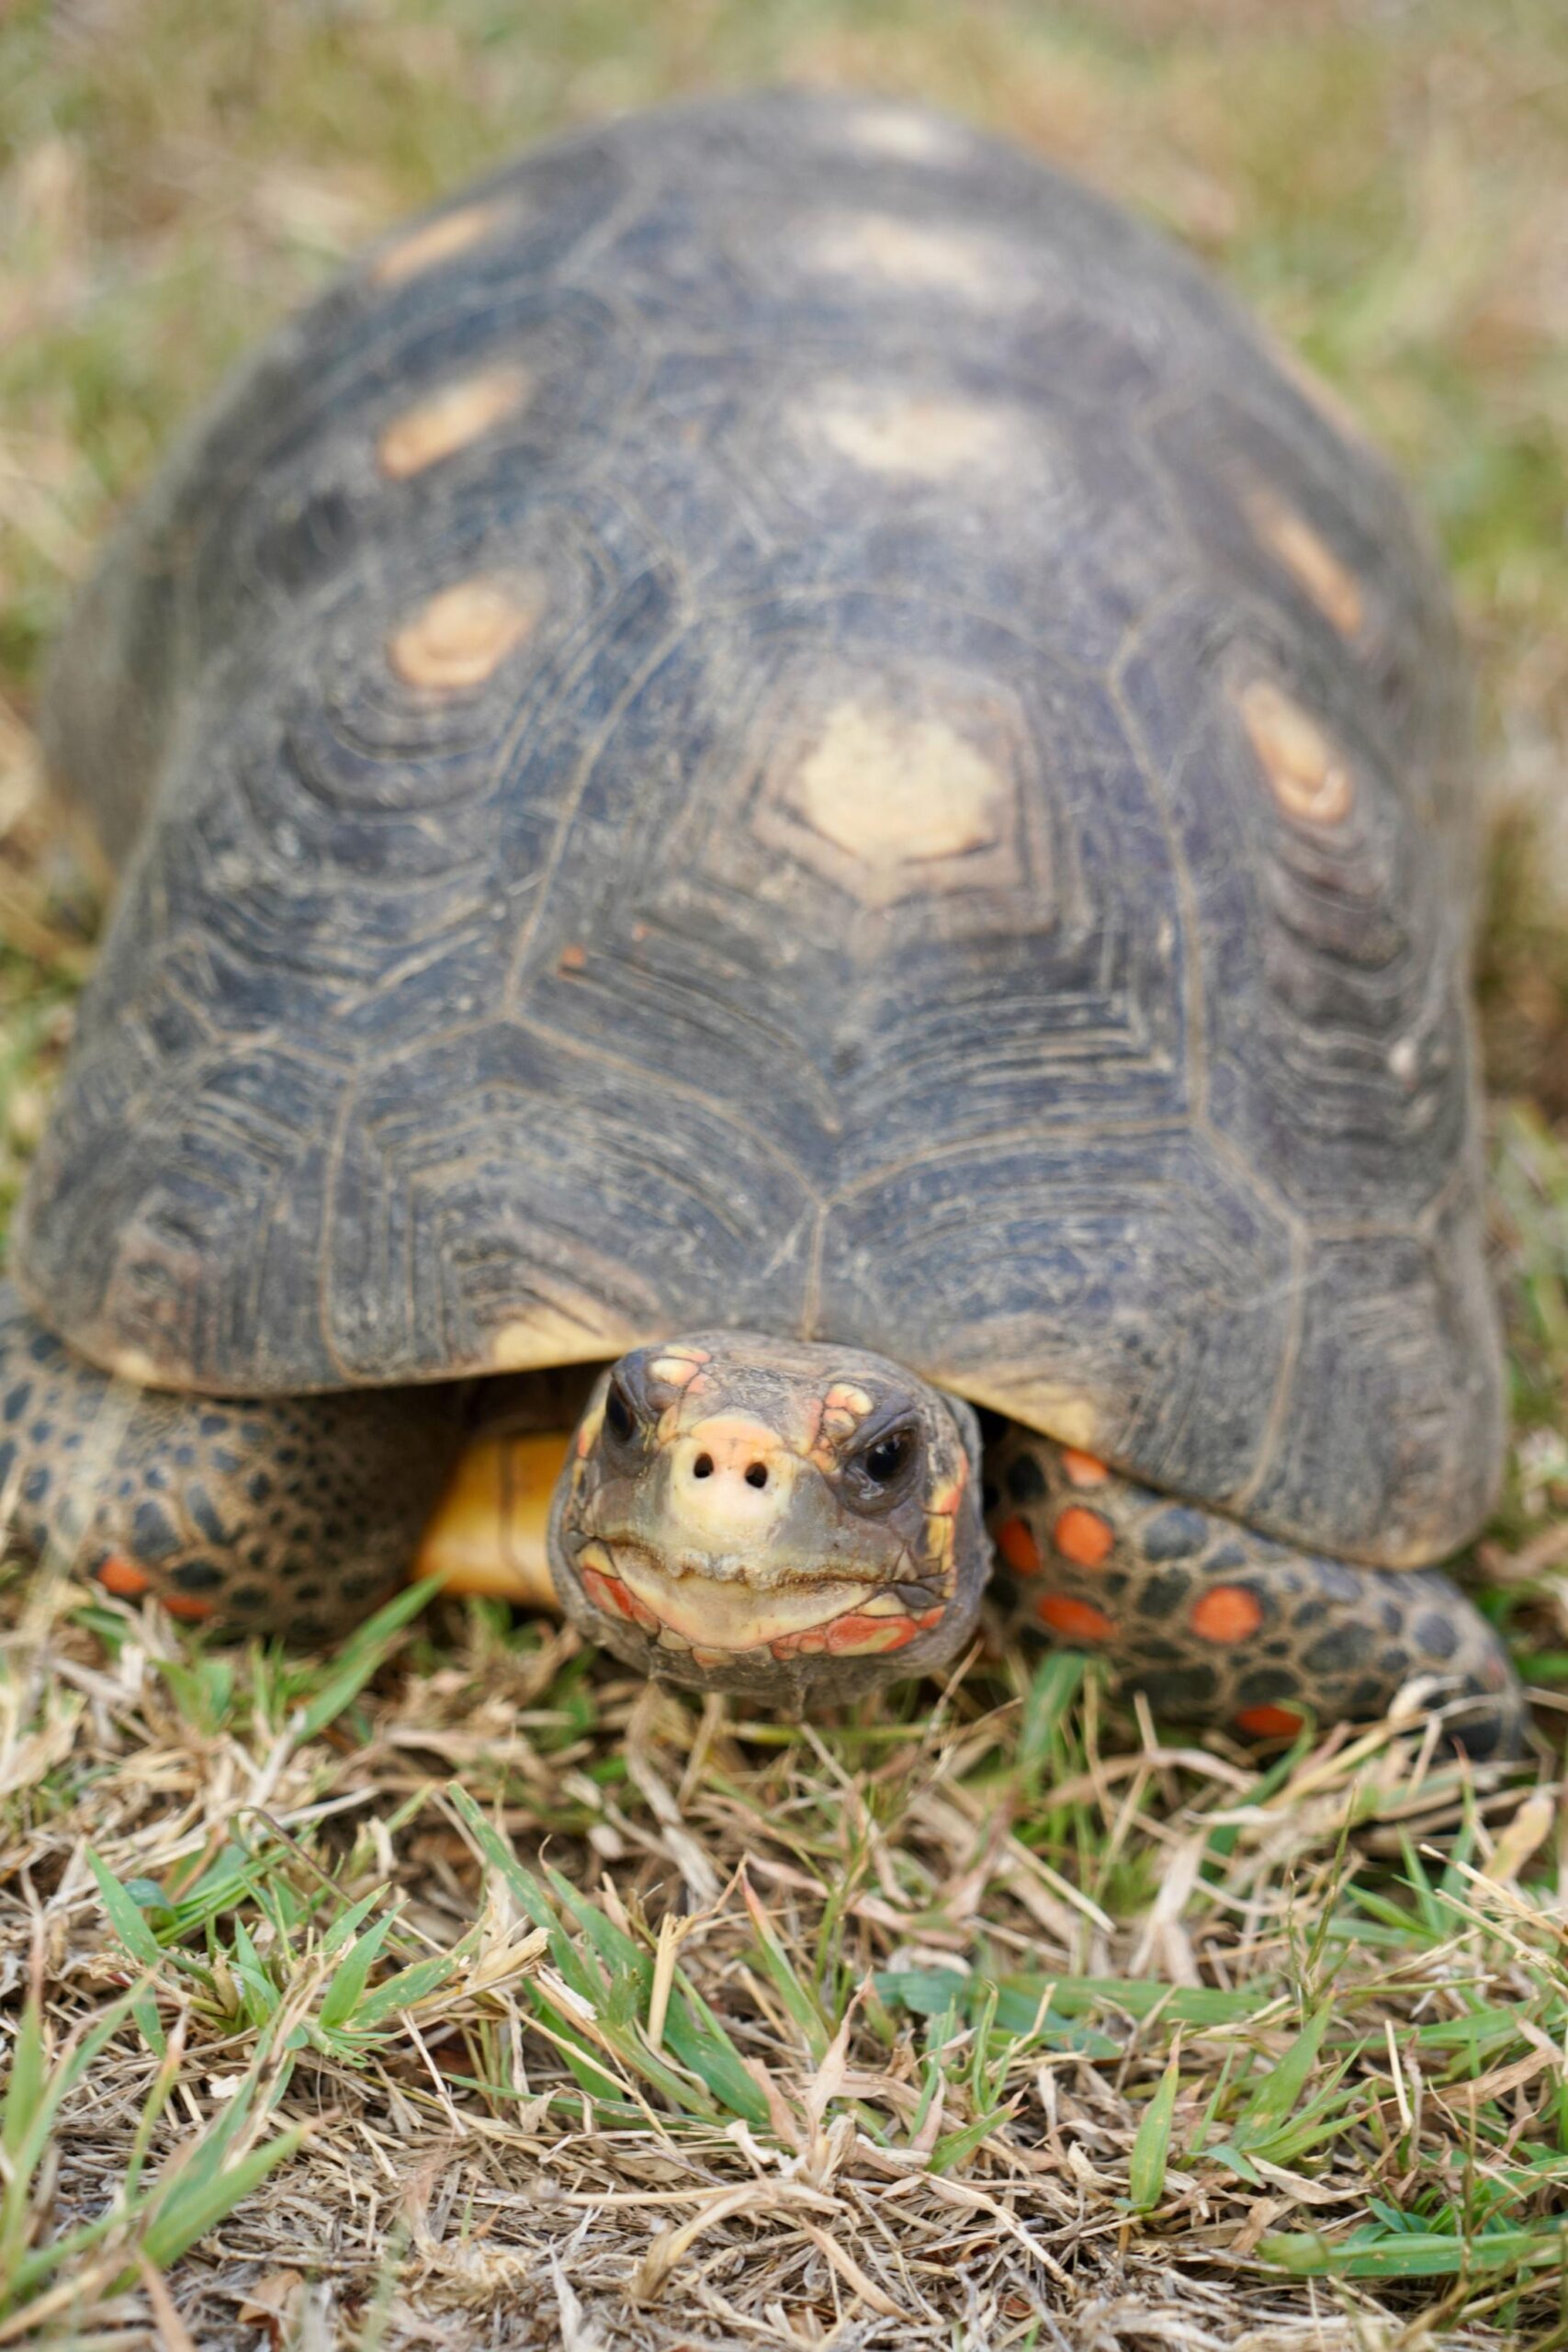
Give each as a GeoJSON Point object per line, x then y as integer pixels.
{"type": "Point", "coordinates": [689, 1604]}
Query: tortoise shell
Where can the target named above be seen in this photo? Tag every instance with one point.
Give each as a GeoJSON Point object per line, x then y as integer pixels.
{"type": "Point", "coordinates": [779, 718]}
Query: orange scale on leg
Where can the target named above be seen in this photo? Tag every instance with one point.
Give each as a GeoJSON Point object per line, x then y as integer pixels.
{"type": "Point", "coordinates": [182, 1604]}
{"type": "Point", "coordinates": [1074, 1621]}
{"type": "Point", "coordinates": [1226, 1612]}
{"type": "Point", "coordinates": [1270, 1722]}
{"type": "Point", "coordinates": [1083, 1469]}
{"type": "Point", "coordinates": [1015, 1542]}
{"type": "Point", "coordinates": [1082, 1536]}
{"type": "Point", "coordinates": [122, 1577]}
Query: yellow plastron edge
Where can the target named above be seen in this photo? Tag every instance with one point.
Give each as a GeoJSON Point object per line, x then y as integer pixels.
{"type": "Point", "coordinates": [488, 1534]}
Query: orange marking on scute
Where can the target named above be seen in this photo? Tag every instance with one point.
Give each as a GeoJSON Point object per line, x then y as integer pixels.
{"type": "Point", "coordinates": [436, 241]}
{"type": "Point", "coordinates": [462, 636]}
{"type": "Point", "coordinates": [1270, 1722]}
{"type": "Point", "coordinates": [1309, 778]}
{"type": "Point", "coordinates": [122, 1577]}
{"type": "Point", "coordinates": [1329, 582]}
{"type": "Point", "coordinates": [1083, 1469]}
{"type": "Point", "coordinates": [1015, 1542]}
{"type": "Point", "coordinates": [572, 958]}
{"type": "Point", "coordinates": [449, 420]}
{"type": "Point", "coordinates": [1074, 1621]}
{"type": "Point", "coordinates": [1082, 1536]}
{"type": "Point", "coordinates": [1226, 1612]}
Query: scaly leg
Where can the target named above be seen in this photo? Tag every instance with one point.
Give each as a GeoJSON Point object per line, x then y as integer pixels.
{"type": "Point", "coordinates": [1219, 1625]}
{"type": "Point", "coordinates": [290, 1514]}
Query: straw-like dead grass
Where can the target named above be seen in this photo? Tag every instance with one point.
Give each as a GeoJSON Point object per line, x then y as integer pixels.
{"type": "Point", "coordinates": [455, 1990]}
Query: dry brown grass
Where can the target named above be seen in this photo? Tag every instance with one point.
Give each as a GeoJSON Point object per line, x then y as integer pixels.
{"type": "Point", "coordinates": [1299, 2080]}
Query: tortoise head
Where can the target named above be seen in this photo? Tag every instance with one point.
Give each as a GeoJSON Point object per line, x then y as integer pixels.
{"type": "Point", "coordinates": [787, 1519]}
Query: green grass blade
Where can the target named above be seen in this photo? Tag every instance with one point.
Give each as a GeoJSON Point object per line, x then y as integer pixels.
{"type": "Point", "coordinates": [1151, 2147]}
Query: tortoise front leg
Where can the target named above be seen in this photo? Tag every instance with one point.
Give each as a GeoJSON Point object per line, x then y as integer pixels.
{"type": "Point", "coordinates": [1219, 1625]}
{"type": "Point", "coordinates": [289, 1514]}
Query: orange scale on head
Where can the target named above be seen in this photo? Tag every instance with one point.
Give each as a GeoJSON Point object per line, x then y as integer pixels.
{"type": "Point", "coordinates": [1226, 1612]}
{"type": "Point", "coordinates": [1074, 1621]}
{"type": "Point", "coordinates": [1082, 1536]}
{"type": "Point", "coordinates": [1270, 1722]}
{"type": "Point", "coordinates": [1083, 1469]}
{"type": "Point", "coordinates": [1015, 1542]}
{"type": "Point", "coordinates": [858, 1636]}
{"type": "Point", "coordinates": [600, 1590]}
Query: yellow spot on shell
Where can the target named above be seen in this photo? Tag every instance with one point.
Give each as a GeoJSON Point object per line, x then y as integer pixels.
{"type": "Point", "coordinates": [549, 1335]}
{"type": "Point", "coordinates": [905, 135]}
{"type": "Point", "coordinates": [435, 240]}
{"type": "Point", "coordinates": [925, 440]}
{"type": "Point", "coordinates": [1330, 583]}
{"type": "Point", "coordinates": [881, 246]}
{"type": "Point", "coordinates": [1309, 778]}
{"type": "Point", "coordinates": [449, 420]}
{"type": "Point", "coordinates": [893, 790]}
{"type": "Point", "coordinates": [462, 636]}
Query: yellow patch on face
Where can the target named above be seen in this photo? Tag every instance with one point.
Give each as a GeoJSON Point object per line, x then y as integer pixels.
{"type": "Point", "coordinates": [435, 242]}
{"type": "Point", "coordinates": [922, 439]}
{"type": "Point", "coordinates": [678, 1369]}
{"type": "Point", "coordinates": [844, 1398]}
{"type": "Point", "coordinates": [1330, 583]}
{"type": "Point", "coordinates": [729, 1616]}
{"type": "Point", "coordinates": [450, 419]}
{"type": "Point", "coordinates": [1308, 777]}
{"type": "Point", "coordinates": [459, 639]}
{"type": "Point", "coordinates": [892, 791]}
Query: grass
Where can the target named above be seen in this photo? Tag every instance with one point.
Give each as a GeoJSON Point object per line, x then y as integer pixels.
{"type": "Point", "coordinates": [455, 1988]}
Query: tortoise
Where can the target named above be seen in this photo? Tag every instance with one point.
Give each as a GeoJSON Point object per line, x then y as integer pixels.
{"type": "Point", "coordinates": [780, 792]}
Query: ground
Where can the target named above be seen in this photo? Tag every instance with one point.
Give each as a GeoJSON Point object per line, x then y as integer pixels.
{"type": "Point", "coordinates": [454, 1990]}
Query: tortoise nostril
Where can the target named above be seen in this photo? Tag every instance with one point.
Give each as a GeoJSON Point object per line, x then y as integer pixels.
{"type": "Point", "coordinates": [757, 1475]}
{"type": "Point", "coordinates": [703, 1467]}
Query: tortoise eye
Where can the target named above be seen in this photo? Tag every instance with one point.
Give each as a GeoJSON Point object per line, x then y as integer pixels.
{"type": "Point", "coordinates": [882, 1461]}
{"type": "Point", "coordinates": [619, 1417]}
{"type": "Point", "coordinates": [880, 1472]}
